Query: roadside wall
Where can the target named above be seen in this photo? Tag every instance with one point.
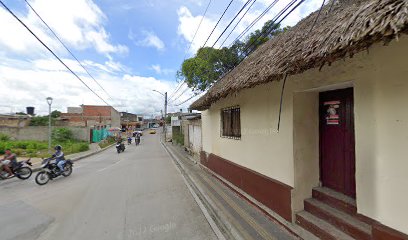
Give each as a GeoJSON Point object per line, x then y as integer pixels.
{"type": "Point", "coordinates": [40, 133]}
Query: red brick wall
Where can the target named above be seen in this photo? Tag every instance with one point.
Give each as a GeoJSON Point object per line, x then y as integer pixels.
{"type": "Point", "coordinates": [92, 111]}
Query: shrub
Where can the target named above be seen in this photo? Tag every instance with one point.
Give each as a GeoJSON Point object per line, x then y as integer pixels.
{"type": "Point", "coordinates": [83, 147]}
{"type": "Point", "coordinates": [108, 141]}
{"type": "Point", "coordinates": [4, 137]}
{"type": "Point", "coordinates": [39, 121]}
{"type": "Point", "coordinates": [178, 138]}
{"type": "Point", "coordinates": [61, 134]}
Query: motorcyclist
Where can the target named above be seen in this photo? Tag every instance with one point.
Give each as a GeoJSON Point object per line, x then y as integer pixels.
{"type": "Point", "coordinates": [59, 158]}
{"type": "Point", "coordinates": [137, 138]}
{"type": "Point", "coordinates": [8, 160]}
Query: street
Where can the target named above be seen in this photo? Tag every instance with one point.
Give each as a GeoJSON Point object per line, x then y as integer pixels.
{"type": "Point", "coordinates": [138, 194]}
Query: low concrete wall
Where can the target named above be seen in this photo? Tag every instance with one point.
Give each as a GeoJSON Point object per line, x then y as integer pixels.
{"type": "Point", "coordinates": [40, 133]}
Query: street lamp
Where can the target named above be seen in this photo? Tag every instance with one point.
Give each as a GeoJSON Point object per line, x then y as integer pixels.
{"type": "Point", "coordinates": [165, 112]}
{"type": "Point", "coordinates": [49, 101]}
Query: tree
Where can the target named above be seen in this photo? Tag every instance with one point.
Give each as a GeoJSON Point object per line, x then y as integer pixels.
{"type": "Point", "coordinates": [209, 64]}
{"type": "Point", "coordinates": [55, 114]}
{"type": "Point", "coordinates": [260, 36]}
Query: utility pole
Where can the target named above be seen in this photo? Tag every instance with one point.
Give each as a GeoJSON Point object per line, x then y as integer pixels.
{"type": "Point", "coordinates": [165, 115]}
{"type": "Point", "coordinates": [165, 112]}
{"type": "Point", "coordinates": [49, 101]}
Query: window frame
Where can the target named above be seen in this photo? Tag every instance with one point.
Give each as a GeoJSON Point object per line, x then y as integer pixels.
{"type": "Point", "coordinates": [233, 131]}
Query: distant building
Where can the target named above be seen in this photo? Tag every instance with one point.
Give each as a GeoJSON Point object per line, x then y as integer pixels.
{"type": "Point", "coordinates": [130, 120]}
{"type": "Point", "coordinates": [91, 116]}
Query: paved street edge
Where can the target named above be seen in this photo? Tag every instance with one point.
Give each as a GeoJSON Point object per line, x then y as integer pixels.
{"type": "Point", "coordinates": [218, 221]}
{"type": "Point", "coordinates": [82, 157]}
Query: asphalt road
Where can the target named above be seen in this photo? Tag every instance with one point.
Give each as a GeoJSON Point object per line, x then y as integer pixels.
{"type": "Point", "coordinates": [138, 194]}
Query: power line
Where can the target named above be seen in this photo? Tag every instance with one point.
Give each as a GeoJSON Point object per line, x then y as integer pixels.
{"type": "Point", "coordinates": [181, 94]}
{"type": "Point", "coordinates": [254, 22]}
{"type": "Point", "coordinates": [45, 45]}
{"type": "Point", "coordinates": [55, 35]}
{"type": "Point", "coordinates": [250, 6]}
{"type": "Point", "coordinates": [229, 24]}
{"type": "Point", "coordinates": [273, 24]}
{"type": "Point", "coordinates": [186, 100]}
{"type": "Point", "coordinates": [191, 43]}
{"type": "Point", "coordinates": [218, 22]}
{"type": "Point", "coordinates": [317, 17]}
{"type": "Point", "coordinates": [194, 95]}
{"type": "Point", "coordinates": [181, 83]}
{"type": "Point", "coordinates": [199, 25]}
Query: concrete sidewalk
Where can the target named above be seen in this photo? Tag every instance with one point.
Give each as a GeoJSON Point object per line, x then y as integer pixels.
{"type": "Point", "coordinates": [235, 217]}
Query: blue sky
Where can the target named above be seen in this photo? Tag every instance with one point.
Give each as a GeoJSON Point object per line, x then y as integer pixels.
{"type": "Point", "coordinates": [130, 47]}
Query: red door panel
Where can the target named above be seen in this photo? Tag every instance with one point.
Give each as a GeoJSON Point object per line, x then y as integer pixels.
{"type": "Point", "coordinates": [337, 155]}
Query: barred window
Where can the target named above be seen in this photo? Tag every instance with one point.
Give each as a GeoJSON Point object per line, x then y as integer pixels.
{"type": "Point", "coordinates": [231, 122]}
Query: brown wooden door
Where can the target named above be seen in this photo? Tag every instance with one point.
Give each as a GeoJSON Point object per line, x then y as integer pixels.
{"type": "Point", "coordinates": [337, 155]}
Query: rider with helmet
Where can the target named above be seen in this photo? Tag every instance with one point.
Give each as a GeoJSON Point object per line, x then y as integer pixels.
{"type": "Point", "coordinates": [59, 158]}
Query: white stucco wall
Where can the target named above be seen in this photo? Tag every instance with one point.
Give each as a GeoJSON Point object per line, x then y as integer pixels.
{"type": "Point", "coordinates": [380, 81]}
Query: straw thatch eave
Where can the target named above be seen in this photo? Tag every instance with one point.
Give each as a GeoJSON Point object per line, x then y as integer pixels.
{"type": "Point", "coordinates": [342, 29]}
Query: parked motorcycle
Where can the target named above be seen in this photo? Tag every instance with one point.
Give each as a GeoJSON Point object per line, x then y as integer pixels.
{"type": "Point", "coordinates": [50, 171]}
{"type": "Point", "coordinates": [20, 170]}
{"type": "Point", "coordinates": [120, 147]}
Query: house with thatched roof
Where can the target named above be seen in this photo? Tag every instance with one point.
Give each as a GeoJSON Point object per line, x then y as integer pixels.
{"type": "Point", "coordinates": [313, 126]}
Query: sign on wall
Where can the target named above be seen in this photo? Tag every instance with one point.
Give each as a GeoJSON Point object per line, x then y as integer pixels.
{"type": "Point", "coordinates": [332, 112]}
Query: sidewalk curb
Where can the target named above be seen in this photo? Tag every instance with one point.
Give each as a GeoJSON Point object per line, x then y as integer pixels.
{"type": "Point", "coordinates": [294, 229]}
{"type": "Point", "coordinates": [82, 157]}
{"type": "Point", "coordinates": [217, 221]}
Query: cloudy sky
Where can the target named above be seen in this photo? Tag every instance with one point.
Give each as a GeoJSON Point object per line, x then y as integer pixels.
{"type": "Point", "coordinates": [130, 47]}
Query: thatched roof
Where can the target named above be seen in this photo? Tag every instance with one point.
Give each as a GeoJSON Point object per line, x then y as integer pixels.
{"type": "Point", "coordinates": [342, 29]}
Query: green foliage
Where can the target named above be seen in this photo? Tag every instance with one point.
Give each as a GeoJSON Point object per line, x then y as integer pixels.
{"type": "Point", "coordinates": [259, 37]}
{"type": "Point", "coordinates": [74, 147]}
{"type": "Point", "coordinates": [107, 142]}
{"type": "Point", "coordinates": [43, 120]}
{"type": "Point", "coordinates": [19, 147]}
{"type": "Point", "coordinates": [178, 138]}
{"type": "Point", "coordinates": [39, 121]}
{"type": "Point", "coordinates": [55, 114]}
{"type": "Point", "coordinates": [209, 64]}
{"type": "Point", "coordinates": [32, 148]}
{"type": "Point", "coordinates": [61, 134]}
{"type": "Point", "coordinates": [4, 137]}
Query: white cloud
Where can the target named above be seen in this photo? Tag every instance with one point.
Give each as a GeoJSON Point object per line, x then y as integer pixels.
{"type": "Point", "coordinates": [30, 82]}
{"type": "Point", "coordinates": [188, 22]}
{"type": "Point", "coordinates": [159, 70]}
{"type": "Point", "coordinates": [78, 23]}
{"type": "Point", "coordinates": [150, 39]}
{"type": "Point", "coordinates": [188, 26]}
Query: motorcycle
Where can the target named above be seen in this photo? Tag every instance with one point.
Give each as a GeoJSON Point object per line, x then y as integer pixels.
{"type": "Point", "coordinates": [129, 140]}
{"type": "Point", "coordinates": [120, 147]}
{"type": "Point", "coordinates": [51, 171]}
{"type": "Point", "coordinates": [20, 170]}
{"type": "Point", "coordinates": [137, 141]}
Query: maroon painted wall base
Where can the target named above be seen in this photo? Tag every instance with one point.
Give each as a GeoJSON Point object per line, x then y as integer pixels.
{"type": "Point", "coordinates": [273, 194]}
{"type": "Point", "coordinates": [381, 232]}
